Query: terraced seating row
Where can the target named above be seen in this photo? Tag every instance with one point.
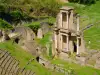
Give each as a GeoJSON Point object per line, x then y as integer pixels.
{"type": "Point", "coordinates": [10, 66]}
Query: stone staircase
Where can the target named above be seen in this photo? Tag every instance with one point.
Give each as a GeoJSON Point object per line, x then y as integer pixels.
{"type": "Point", "coordinates": [10, 66]}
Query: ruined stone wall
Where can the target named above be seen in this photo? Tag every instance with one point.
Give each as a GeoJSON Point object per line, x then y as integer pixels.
{"type": "Point", "coordinates": [10, 66]}
{"type": "Point", "coordinates": [26, 33]}
{"type": "Point", "coordinates": [63, 0]}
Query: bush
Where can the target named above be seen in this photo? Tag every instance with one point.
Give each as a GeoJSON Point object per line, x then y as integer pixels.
{"type": "Point", "coordinates": [16, 14]}
{"type": "Point", "coordinates": [35, 7]}
{"type": "Point", "coordinates": [50, 7]}
{"type": "Point", "coordinates": [84, 1]}
{"type": "Point", "coordinates": [5, 25]}
{"type": "Point", "coordinates": [34, 26]}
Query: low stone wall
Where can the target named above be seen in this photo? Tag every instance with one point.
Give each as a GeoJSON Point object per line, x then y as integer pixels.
{"type": "Point", "coordinates": [10, 66]}
{"type": "Point", "coordinates": [54, 67]}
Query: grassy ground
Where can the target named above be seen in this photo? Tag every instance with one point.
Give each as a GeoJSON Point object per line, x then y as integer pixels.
{"type": "Point", "coordinates": [23, 57]}
{"type": "Point", "coordinates": [79, 70]}
{"type": "Point", "coordinates": [92, 37]}
{"type": "Point", "coordinates": [89, 15]}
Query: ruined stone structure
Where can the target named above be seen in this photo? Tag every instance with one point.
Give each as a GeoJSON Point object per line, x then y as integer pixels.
{"type": "Point", "coordinates": [10, 66]}
{"type": "Point", "coordinates": [67, 34]}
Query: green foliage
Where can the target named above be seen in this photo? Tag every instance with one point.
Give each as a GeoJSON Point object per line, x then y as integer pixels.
{"type": "Point", "coordinates": [50, 20]}
{"type": "Point", "coordinates": [34, 26]}
{"type": "Point", "coordinates": [49, 6]}
{"type": "Point", "coordinates": [78, 69]}
{"type": "Point", "coordinates": [37, 24]}
{"type": "Point", "coordinates": [5, 25]}
{"type": "Point", "coordinates": [84, 1]}
{"type": "Point", "coordinates": [45, 40]}
{"type": "Point", "coordinates": [38, 7]}
{"type": "Point", "coordinates": [16, 14]}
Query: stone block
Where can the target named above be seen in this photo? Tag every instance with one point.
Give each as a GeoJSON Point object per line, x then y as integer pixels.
{"type": "Point", "coordinates": [97, 65]}
{"type": "Point", "coordinates": [81, 60]}
{"type": "Point", "coordinates": [63, 56]}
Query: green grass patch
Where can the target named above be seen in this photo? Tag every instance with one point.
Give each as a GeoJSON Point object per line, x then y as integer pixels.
{"type": "Point", "coordinates": [92, 37]}
{"type": "Point", "coordinates": [79, 70]}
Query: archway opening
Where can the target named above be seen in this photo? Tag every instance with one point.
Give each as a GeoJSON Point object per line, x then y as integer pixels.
{"type": "Point", "coordinates": [17, 40]}
{"type": "Point", "coordinates": [37, 58]}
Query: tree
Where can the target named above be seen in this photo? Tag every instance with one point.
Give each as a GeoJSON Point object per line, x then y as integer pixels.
{"type": "Point", "coordinates": [5, 26]}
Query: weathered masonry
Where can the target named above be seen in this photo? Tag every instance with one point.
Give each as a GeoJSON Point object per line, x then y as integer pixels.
{"type": "Point", "coordinates": [67, 34]}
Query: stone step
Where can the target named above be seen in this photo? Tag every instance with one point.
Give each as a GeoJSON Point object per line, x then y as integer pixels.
{"type": "Point", "coordinates": [0, 70]}
{"type": "Point", "coordinates": [17, 70]}
{"type": "Point", "coordinates": [1, 51]}
{"type": "Point", "coordinates": [27, 72]}
{"type": "Point", "coordinates": [8, 64]}
{"type": "Point", "coordinates": [32, 73]}
{"type": "Point", "coordinates": [3, 71]}
{"type": "Point", "coordinates": [14, 66]}
{"type": "Point", "coordinates": [6, 73]}
{"type": "Point", "coordinates": [5, 61]}
{"type": "Point", "coordinates": [24, 72]}
{"type": "Point", "coordinates": [3, 58]}
{"type": "Point", "coordinates": [3, 54]}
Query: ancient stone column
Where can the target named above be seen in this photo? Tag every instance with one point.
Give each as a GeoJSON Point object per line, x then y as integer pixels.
{"type": "Point", "coordinates": [78, 45]}
{"type": "Point", "coordinates": [70, 14]}
{"type": "Point", "coordinates": [60, 20]}
{"type": "Point", "coordinates": [82, 46]}
{"type": "Point", "coordinates": [55, 39]}
{"type": "Point", "coordinates": [67, 20]}
{"type": "Point", "coordinates": [67, 42]}
{"type": "Point", "coordinates": [39, 33]}
{"type": "Point", "coordinates": [59, 46]}
{"type": "Point", "coordinates": [77, 22]}
{"type": "Point", "coordinates": [61, 41]}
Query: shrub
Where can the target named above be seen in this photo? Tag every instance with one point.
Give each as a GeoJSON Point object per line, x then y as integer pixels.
{"type": "Point", "coordinates": [34, 26]}
{"type": "Point", "coordinates": [84, 1]}
{"type": "Point", "coordinates": [50, 7]}
{"type": "Point", "coordinates": [5, 25]}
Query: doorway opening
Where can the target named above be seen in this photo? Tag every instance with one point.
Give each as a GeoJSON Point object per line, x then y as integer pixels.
{"type": "Point", "coordinates": [75, 46]}
{"type": "Point", "coordinates": [17, 40]}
